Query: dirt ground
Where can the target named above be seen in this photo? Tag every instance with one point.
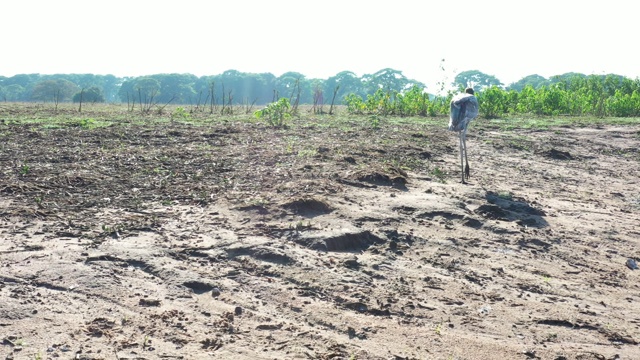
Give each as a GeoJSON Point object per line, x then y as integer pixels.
{"type": "Point", "coordinates": [239, 241]}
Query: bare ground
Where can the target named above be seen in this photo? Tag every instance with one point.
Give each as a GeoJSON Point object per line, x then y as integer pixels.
{"type": "Point", "coordinates": [239, 241]}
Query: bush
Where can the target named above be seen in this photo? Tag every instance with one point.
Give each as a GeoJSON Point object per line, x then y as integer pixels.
{"type": "Point", "coordinates": [90, 95]}
{"type": "Point", "coordinates": [275, 114]}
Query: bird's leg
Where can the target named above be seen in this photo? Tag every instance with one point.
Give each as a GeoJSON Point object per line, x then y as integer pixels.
{"type": "Point", "coordinates": [464, 146]}
{"type": "Point", "coordinates": [460, 135]}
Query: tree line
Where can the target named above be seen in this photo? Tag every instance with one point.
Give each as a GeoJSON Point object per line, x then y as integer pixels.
{"type": "Point", "coordinates": [387, 91]}
{"type": "Point", "coordinates": [230, 87]}
{"type": "Point", "coordinates": [570, 94]}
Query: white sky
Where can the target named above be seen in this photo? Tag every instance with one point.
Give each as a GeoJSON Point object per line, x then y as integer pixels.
{"type": "Point", "coordinates": [507, 39]}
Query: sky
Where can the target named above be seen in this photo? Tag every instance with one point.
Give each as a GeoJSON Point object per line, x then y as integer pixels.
{"type": "Point", "coordinates": [427, 41]}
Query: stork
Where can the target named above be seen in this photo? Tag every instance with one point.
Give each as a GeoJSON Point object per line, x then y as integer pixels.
{"type": "Point", "coordinates": [464, 108]}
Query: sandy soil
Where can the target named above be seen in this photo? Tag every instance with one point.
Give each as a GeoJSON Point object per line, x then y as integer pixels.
{"type": "Point", "coordinates": [238, 241]}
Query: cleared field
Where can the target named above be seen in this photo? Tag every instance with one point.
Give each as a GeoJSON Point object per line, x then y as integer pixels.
{"type": "Point", "coordinates": [125, 236]}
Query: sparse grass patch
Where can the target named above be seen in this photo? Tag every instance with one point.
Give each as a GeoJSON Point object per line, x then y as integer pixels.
{"type": "Point", "coordinates": [308, 152]}
{"type": "Point", "coordinates": [24, 169]}
{"type": "Point", "coordinates": [180, 114]}
{"type": "Point", "coordinates": [374, 121]}
{"type": "Point", "coordinates": [506, 195]}
{"type": "Point", "coordinates": [439, 174]}
{"type": "Point", "coordinates": [439, 329]}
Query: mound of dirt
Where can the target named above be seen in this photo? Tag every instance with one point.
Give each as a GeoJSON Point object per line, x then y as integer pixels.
{"type": "Point", "coordinates": [557, 154]}
{"type": "Point", "coordinates": [308, 207]}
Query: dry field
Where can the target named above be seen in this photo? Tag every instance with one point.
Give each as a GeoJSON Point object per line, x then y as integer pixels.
{"type": "Point", "coordinates": [329, 239]}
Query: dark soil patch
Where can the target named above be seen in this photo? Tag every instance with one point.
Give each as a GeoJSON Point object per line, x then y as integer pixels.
{"type": "Point", "coordinates": [557, 154]}
{"type": "Point", "coordinates": [308, 207]}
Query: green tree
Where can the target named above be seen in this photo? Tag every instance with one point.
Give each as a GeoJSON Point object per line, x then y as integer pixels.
{"type": "Point", "coordinates": [346, 82]}
{"type": "Point", "coordinates": [176, 88]}
{"type": "Point", "coordinates": [90, 95]}
{"type": "Point", "coordinates": [388, 80]}
{"type": "Point", "coordinates": [493, 102]}
{"type": "Point", "coordinates": [203, 90]}
{"type": "Point", "coordinates": [536, 81]}
{"type": "Point", "coordinates": [14, 92]}
{"type": "Point", "coordinates": [291, 84]}
{"type": "Point", "coordinates": [570, 79]}
{"type": "Point", "coordinates": [246, 87]}
{"type": "Point", "coordinates": [623, 105]}
{"type": "Point", "coordinates": [629, 86]}
{"type": "Point", "coordinates": [147, 89]}
{"type": "Point", "coordinates": [108, 84]}
{"type": "Point", "coordinates": [54, 90]}
{"type": "Point", "coordinates": [475, 79]}
{"type": "Point", "coordinates": [110, 87]}
{"type": "Point", "coordinates": [26, 83]}
{"type": "Point", "coordinates": [126, 92]}
{"type": "Point", "coordinates": [413, 102]}
{"type": "Point", "coordinates": [526, 103]}
{"type": "Point", "coordinates": [143, 91]}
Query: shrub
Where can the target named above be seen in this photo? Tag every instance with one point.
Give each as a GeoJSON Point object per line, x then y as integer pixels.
{"type": "Point", "coordinates": [275, 114]}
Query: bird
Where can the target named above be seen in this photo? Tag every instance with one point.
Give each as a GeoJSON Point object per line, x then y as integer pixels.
{"type": "Point", "coordinates": [464, 108]}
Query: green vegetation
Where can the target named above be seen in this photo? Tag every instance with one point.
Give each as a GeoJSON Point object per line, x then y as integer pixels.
{"type": "Point", "coordinates": [386, 93]}
{"type": "Point", "coordinates": [90, 95]}
{"type": "Point", "coordinates": [180, 114]}
{"type": "Point", "coordinates": [439, 174]}
{"type": "Point", "coordinates": [506, 195]}
{"type": "Point", "coordinates": [583, 96]}
{"type": "Point", "coordinates": [277, 113]}
{"type": "Point", "coordinates": [439, 329]}
{"type": "Point", "coordinates": [213, 93]}
{"type": "Point", "coordinates": [413, 102]}
{"type": "Point", "coordinates": [24, 169]}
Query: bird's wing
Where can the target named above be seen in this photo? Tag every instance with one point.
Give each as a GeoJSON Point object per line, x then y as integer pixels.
{"type": "Point", "coordinates": [468, 105]}
{"type": "Point", "coordinates": [462, 98]}
{"type": "Point", "coordinates": [456, 116]}
{"type": "Point", "coordinates": [472, 107]}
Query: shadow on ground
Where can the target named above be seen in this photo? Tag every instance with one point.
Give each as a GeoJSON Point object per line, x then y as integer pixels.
{"type": "Point", "coordinates": [508, 208]}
